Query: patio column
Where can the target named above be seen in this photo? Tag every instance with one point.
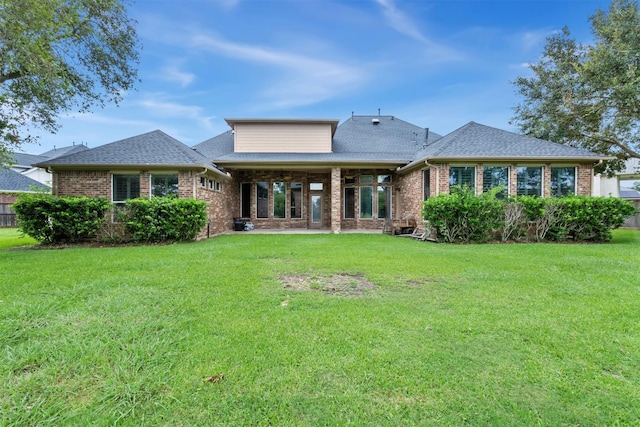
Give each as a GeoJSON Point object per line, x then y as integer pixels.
{"type": "Point", "coordinates": [336, 200]}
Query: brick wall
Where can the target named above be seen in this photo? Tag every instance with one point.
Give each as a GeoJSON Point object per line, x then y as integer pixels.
{"type": "Point", "coordinates": [219, 203]}
{"type": "Point", "coordinates": [82, 183]}
{"type": "Point", "coordinates": [585, 179]}
{"type": "Point", "coordinates": [410, 192]}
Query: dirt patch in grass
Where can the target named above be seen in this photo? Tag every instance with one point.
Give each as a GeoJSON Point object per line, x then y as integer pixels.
{"type": "Point", "coordinates": [345, 285]}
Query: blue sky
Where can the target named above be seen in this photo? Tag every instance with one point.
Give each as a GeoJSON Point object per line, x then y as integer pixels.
{"type": "Point", "coordinates": [434, 63]}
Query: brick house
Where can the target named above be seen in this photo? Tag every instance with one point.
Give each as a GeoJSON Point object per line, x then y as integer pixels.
{"type": "Point", "coordinates": [317, 173]}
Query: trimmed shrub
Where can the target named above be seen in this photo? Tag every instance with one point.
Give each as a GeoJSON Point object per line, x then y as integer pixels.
{"type": "Point", "coordinates": [52, 219]}
{"type": "Point", "coordinates": [590, 218]}
{"type": "Point", "coordinates": [463, 216]}
{"type": "Point", "coordinates": [164, 219]}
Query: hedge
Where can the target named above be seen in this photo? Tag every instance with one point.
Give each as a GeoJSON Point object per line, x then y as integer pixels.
{"type": "Point", "coordinates": [465, 217]}
{"type": "Point", "coordinates": [52, 219]}
{"type": "Point", "coordinates": [164, 219]}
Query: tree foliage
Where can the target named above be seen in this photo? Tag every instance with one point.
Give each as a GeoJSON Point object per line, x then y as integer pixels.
{"type": "Point", "coordinates": [588, 96]}
{"type": "Point", "coordinates": [58, 56]}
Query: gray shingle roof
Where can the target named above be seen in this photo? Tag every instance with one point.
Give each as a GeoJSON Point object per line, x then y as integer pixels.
{"type": "Point", "coordinates": [356, 140]}
{"type": "Point", "coordinates": [11, 180]}
{"type": "Point", "coordinates": [217, 146]}
{"type": "Point", "coordinates": [476, 141]}
{"type": "Point", "coordinates": [380, 134]}
{"type": "Point", "coordinates": [154, 148]}
{"type": "Point", "coordinates": [26, 160]}
{"type": "Point", "coordinates": [64, 151]}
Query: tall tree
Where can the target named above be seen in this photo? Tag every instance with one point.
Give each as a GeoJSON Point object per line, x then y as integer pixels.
{"type": "Point", "coordinates": [58, 56]}
{"type": "Point", "coordinates": [588, 95]}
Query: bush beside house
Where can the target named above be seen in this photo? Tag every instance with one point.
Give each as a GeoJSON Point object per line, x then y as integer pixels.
{"type": "Point", "coordinates": [463, 217]}
{"type": "Point", "coordinates": [53, 220]}
{"type": "Point", "coordinates": [162, 219]}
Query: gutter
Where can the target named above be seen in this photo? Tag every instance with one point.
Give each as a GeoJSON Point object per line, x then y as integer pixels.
{"type": "Point", "coordinates": [51, 167]}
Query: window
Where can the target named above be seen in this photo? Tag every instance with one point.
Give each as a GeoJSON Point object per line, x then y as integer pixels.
{"type": "Point", "coordinates": [296, 200]}
{"type": "Point", "coordinates": [164, 185]}
{"type": "Point", "coordinates": [384, 201]}
{"type": "Point", "coordinates": [529, 181]}
{"type": "Point", "coordinates": [349, 202]}
{"type": "Point", "coordinates": [365, 179]}
{"type": "Point", "coordinates": [426, 184]}
{"type": "Point", "coordinates": [315, 186]}
{"type": "Point", "coordinates": [203, 181]}
{"type": "Point", "coordinates": [366, 202]}
{"type": "Point", "coordinates": [218, 186]}
{"type": "Point", "coordinates": [495, 176]}
{"type": "Point", "coordinates": [279, 199]}
{"type": "Point", "coordinates": [262, 196]}
{"type": "Point", "coordinates": [125, 187]}
{"type": "Point", "coordinates": [462, 175]}
{"type": "Point", "coordinates": [245, 200]}
{"type": "Point", "coordinates": [563, 181]}
{"type": "Point", "coordinates": [384, 179]}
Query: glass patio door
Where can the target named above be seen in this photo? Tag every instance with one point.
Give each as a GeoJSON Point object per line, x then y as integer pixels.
{"type": "Point", "coordinates": [316, 210]}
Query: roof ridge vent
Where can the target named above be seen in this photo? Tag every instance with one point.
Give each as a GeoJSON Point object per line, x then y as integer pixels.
{"type": "Point", "coordinates": [375, 121]}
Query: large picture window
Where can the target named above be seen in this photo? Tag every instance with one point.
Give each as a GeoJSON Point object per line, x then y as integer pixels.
{"type": "Point", "coordinates": [279, 199]}
{"type": "Point", "coordinates": [563, 181]}
{"type": "Point", "coordinates": [349, 202]}
{"type": "Point", "coordinates": [296, 200]}
{"type": "Point", "coordinates": [366, 202]}
{"type": "Point", "coordinates": [125, 187]}
{"type": "Point", "coordinates": [384, 202]}
{"type": "Point", "coordinates": [262, 196]}
{"type": "Point", "coordinates": [164, 185]}
{"type": "Point", "coordinates": [529, 181]}
{"type": "Point", "coordinates": [462, 175]}
{"type": "Point", "coordinates": [495, 176]}
{"type": "Point", "coordinates": [245, 200]}
{"type": "Point", "coordinates": [426, 184]}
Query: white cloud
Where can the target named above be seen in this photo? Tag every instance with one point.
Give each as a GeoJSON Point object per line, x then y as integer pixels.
{"type": "Point", "coordinates": [305, 79]}
{"type": "Point", "coordinates": [173, 74]}
{"type": "Point", "coordinates": [404, 24]}
{"type": "Point", "coordinates": [400, 21]}
{"type": "Point", "coordinates": [158, 107]}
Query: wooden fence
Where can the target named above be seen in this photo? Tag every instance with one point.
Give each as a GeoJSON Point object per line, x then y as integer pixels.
{"type": "Point", "coordinates": [7, 216]}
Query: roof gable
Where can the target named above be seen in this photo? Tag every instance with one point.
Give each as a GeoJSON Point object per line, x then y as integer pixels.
{"type": "Point", "coordinates": [476, 141]}
{"type": "Point", "coordinates": [152, 148]}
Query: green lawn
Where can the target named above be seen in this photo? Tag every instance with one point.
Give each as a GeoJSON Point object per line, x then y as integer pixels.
{"type": "Point", "coordinates": [11, 237]}
{"type": "Point", "coordinates": [321, 330]}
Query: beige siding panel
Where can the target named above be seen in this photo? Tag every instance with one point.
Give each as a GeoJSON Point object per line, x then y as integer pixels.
{"type": "Point", "coordinates": [282, 138]}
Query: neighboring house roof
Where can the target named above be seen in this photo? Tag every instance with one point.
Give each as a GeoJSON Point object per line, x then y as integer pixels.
{"type": "Point", "coordinates": [26, 160]}
{"type": "Point", "coordinates": [154, 148]}
{"type": "Point", "coordinates": [13, 181]}
{"type": "Point", "coordinates": [64, 151]}
{"type": "Point", "coordinates": [629, 194]}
